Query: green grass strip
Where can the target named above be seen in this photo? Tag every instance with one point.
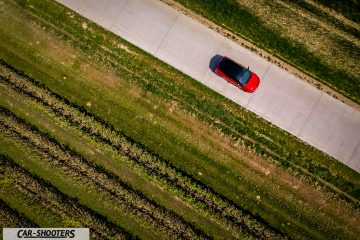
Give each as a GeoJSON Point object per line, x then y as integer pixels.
{"type": "Point", "coordinates": [71, 213]}
{"type": "Point", "coordinates": [350, 8]}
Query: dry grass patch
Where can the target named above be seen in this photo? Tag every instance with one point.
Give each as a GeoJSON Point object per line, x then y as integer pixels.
{"type": "Point", "coordinates": [322, 38]}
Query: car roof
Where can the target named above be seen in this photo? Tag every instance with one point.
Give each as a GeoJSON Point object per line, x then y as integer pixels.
{"type": "Point", "coordinates": [232, 68]}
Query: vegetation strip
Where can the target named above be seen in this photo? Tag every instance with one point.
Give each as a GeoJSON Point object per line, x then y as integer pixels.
{"type": "Point", "coordinates": [12, 217]}
{"type": "Point", "coordinates": [350, 9]}
{"type": "Point", "coordinates": [80, 168]}
{"type": "Point", "coordinates": [153, 164]}
{"type": "Point", "coordinates": [327, 17]}
{"type": "Point", "coordinates": [42, 191]}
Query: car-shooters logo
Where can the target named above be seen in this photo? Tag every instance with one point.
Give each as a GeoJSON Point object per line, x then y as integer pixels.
{"type": "Point", "coordinates": [46, 233]}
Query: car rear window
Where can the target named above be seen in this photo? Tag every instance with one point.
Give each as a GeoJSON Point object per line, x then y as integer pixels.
{"type": "Point", "coordinates": [235, 71]}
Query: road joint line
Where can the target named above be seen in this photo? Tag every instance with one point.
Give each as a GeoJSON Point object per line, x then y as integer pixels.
{"type": "Point", "coordinates": [117, 17]}
{"type": "Point", "coordinates": [311, 113]}
{"type": "Point", "coordinates": [166, 34]}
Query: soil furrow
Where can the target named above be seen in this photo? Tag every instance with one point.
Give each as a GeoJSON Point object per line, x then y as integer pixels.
{"type": "Point", "coordinates": [78, 167]}
{"type": "Point", "coordinates": [39, 190]}
{"type": "Point", "coordinates": [13, 218]}
{"type": "Point", "coordinates": [137, 153]}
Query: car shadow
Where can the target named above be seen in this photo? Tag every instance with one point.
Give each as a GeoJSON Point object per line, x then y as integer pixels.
{"type": "Point", "coordinates": [213, 61]}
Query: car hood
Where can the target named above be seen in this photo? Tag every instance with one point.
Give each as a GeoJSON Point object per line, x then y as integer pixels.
{"type": "Point", "coordinates": [253, 83]}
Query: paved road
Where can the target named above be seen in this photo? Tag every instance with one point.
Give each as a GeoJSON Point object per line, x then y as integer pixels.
{"type": "Point", "coordinates": [281, 98]}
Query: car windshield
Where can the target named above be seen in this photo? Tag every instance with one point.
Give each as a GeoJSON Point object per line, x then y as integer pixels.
{"type": "Point", "coordinates": [235, 71]}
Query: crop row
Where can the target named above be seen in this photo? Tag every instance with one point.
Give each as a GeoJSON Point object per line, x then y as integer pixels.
{"type": "Point", "coordinates": [310, 7]}
{"type": "Point", "coordinates": [95, 176]}
{"type": "Point", "coordinates": [258, 138]}
{"type": "Point", "coordinates": [43, 192]}
{"type": "Point", "coordinates": [205, 198]}
{"type": "Point", "coordinates": [350, 9]}
{"type": "Point", "coordinates": [11, 216]}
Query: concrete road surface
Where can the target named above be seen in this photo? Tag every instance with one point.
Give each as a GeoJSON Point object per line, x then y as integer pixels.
{"type": "Point", "coordinates": [281, 98]}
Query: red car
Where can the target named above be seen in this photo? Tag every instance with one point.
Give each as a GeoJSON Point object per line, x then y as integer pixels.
{"type": "Point", "coordinates": [237, 74]}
